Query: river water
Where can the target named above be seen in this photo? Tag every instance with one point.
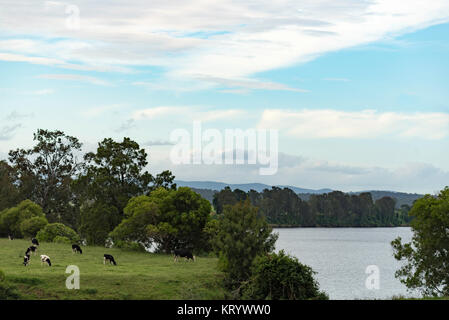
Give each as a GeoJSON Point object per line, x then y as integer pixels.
{"type": "Point", "coordinates": [342, 256]}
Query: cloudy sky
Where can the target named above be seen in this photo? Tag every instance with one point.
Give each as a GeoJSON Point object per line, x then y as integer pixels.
{"type": "Point", "coordinates": [357, 89]}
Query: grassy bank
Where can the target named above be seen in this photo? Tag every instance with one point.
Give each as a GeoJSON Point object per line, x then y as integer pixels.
{"type": "Point", "coordinates": [137, 275]}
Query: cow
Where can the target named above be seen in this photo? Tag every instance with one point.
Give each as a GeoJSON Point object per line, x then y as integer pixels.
{"type": "Point", "coordinates": [10, 237]}
{"type": "Point", "coordinates": [76, 248]}
{"type": "Point", "coordinates": [32, 249]}
{"type": "Point", "coordinates": [35, 242]}
{"type": "Point", "coordinates": [108, 257]}
{"type": "Point", "coordinates": [183, 253]}
{"type": "Point", "coordinates": [26, 260]}
{"type": "Point", "coordinates": [45, 259]}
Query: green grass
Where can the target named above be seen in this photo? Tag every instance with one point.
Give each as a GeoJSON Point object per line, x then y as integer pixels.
{"type": "Point", "coordinates": [137, 275]}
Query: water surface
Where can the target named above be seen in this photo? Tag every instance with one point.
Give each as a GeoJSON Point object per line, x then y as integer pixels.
{"type": "Point", "coordinates": [340, 256]}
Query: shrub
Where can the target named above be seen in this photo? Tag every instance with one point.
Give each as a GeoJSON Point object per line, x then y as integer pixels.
{"type": "Point", "coordinates": [62, 239]}
{"type": "Point", "coordinates": [52, 230]}
{"type": "Point", "coordinates": [282, 277]}
{"type": "Point", "coordinates": [11, 219]}
{"type": "Point", "coordinates": [30, 227]}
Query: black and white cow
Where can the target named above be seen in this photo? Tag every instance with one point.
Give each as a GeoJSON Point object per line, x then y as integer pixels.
{"type": "Point", "coordinates": [35, 242]}
{"type": "Point", "coordinates": [76, 248]}
{"type": "Point", "coordinates": [32, 249]}
{"type": "Point", "coordinates": [45, 259]}
{"type": "Point", "coordinates": [183, 253]}
{"type": "Point", "coordinates": [10, 237]}
{"type": "Point", "coordinates": [110, 259]}
{"type": "Point", "coordinates": [26, 260]}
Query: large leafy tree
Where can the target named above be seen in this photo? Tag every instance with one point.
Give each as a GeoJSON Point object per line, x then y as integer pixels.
{"type": "Point", "coordinates": [169, 219]}
{"type": "Point", "coordinates": [243, 236]}
{"type": "Point", "coordinates": [426, 257]}
{"type": "Point", "coordinates": [45, 172]}
{"type": "Point", "coordinates": [9, 192]}
{"type": "Point", "coordinates": [112, 175]}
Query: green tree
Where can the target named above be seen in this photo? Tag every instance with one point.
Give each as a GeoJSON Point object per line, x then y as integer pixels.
{"type": "Point", "coordinates": [169, 219]}
{"type": "Point", "coordinates": [243, 236]}
{"type": "Point", "coordinates": [183, 214]}
{"type": "Point", "coordinates": [112, 176]}
{"type": "Point", "coordinates": [30, 227]}
{"type": "Point", "coordinates": [9, 192]}
{"type": "Point", "coordinates": [282, 277]}
{"type": "Point", "coordinates": [426, 256]}
{"type": "Point", "coordinates": [97, 219]}
{"type": "Point", "coordinates": [11, 219]}
{"type": "Point", "coordinates": [45, 172]}
{"type": "Point", "coordinates": [140, 213]}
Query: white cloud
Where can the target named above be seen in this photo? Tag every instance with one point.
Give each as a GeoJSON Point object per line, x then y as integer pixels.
{"type": "Point", "coordinates": [223, 39]}
{"type": "Point", "coordinates": [252, 84]}
{"type": "Point", "coordinates": [314, 174]}
{"type": "Point", "coordinates": [358, 124]}
{"type": "Point", "coordinates": [187, 113]}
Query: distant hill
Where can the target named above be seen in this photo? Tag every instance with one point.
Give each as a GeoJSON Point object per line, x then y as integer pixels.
{"type": "Point", "coordinates": [207, 189]}
{"type": "Point", "coordinates": [259, 187]}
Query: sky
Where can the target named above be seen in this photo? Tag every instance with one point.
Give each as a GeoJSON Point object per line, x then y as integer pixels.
{"type": "Point", "coordinates": [358, 90]}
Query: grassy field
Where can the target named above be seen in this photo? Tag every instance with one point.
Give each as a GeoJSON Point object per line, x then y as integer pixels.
{"type": "Point", "coordinates": [136, 276]}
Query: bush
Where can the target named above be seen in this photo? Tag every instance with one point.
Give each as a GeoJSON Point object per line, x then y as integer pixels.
{"type": "Point", "coordinates": [61, 239]}
{"type": "Point", "coordinates": [282, 277]}
{"type": "Point", "coordinates": [11, 219]}
{"type": "Point", "coordinates": [30, 227]}
{"type": "Point", "coordinates": [52, 230]}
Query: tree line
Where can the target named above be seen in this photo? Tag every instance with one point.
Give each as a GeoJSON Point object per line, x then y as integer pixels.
{"type": "Point", "coordinates": [282, 206]}
{"type": "Point", "coordinates": [87, 193]}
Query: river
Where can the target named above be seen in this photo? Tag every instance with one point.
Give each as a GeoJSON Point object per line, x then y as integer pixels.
{"type": "Point", "coordinates": [341, 256]}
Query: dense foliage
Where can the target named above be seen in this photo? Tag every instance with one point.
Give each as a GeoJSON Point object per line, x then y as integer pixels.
{"type": "Point", "coordinates": [282, 277]}
{"type": "Point", "coordinates": [426, 257]}
{"type": "Point", "coordinates": [334, 209]}
{"type": "Point", "coordinates": [167, 219]}
{"type": "Point", "coordinates": [44, 174]}
{"type": "Point", "coordinates": [24, 220]}
{"type": "Point", "coordinates": [53, 230]}
{"type": "Point", "coordinates": [242, 236]}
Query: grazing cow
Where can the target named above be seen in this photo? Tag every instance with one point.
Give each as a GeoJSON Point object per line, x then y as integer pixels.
{"type": "Point", "coordinates": [183, 254]}
{"type": "Point", "coordinates": [32, 249]}
{"type": "Point", "coordinates": [46, 259]}
{"type": "Point", "coordinates": [76, 248]}
{"type": "Point", "coordinates": [10, 237]}
{"type": "Point", "coordinates": [35, 242]}
{"type": "Point", "coordinates": [26, 260]}
{"type": "Point", "coordinates": [108, 257]}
